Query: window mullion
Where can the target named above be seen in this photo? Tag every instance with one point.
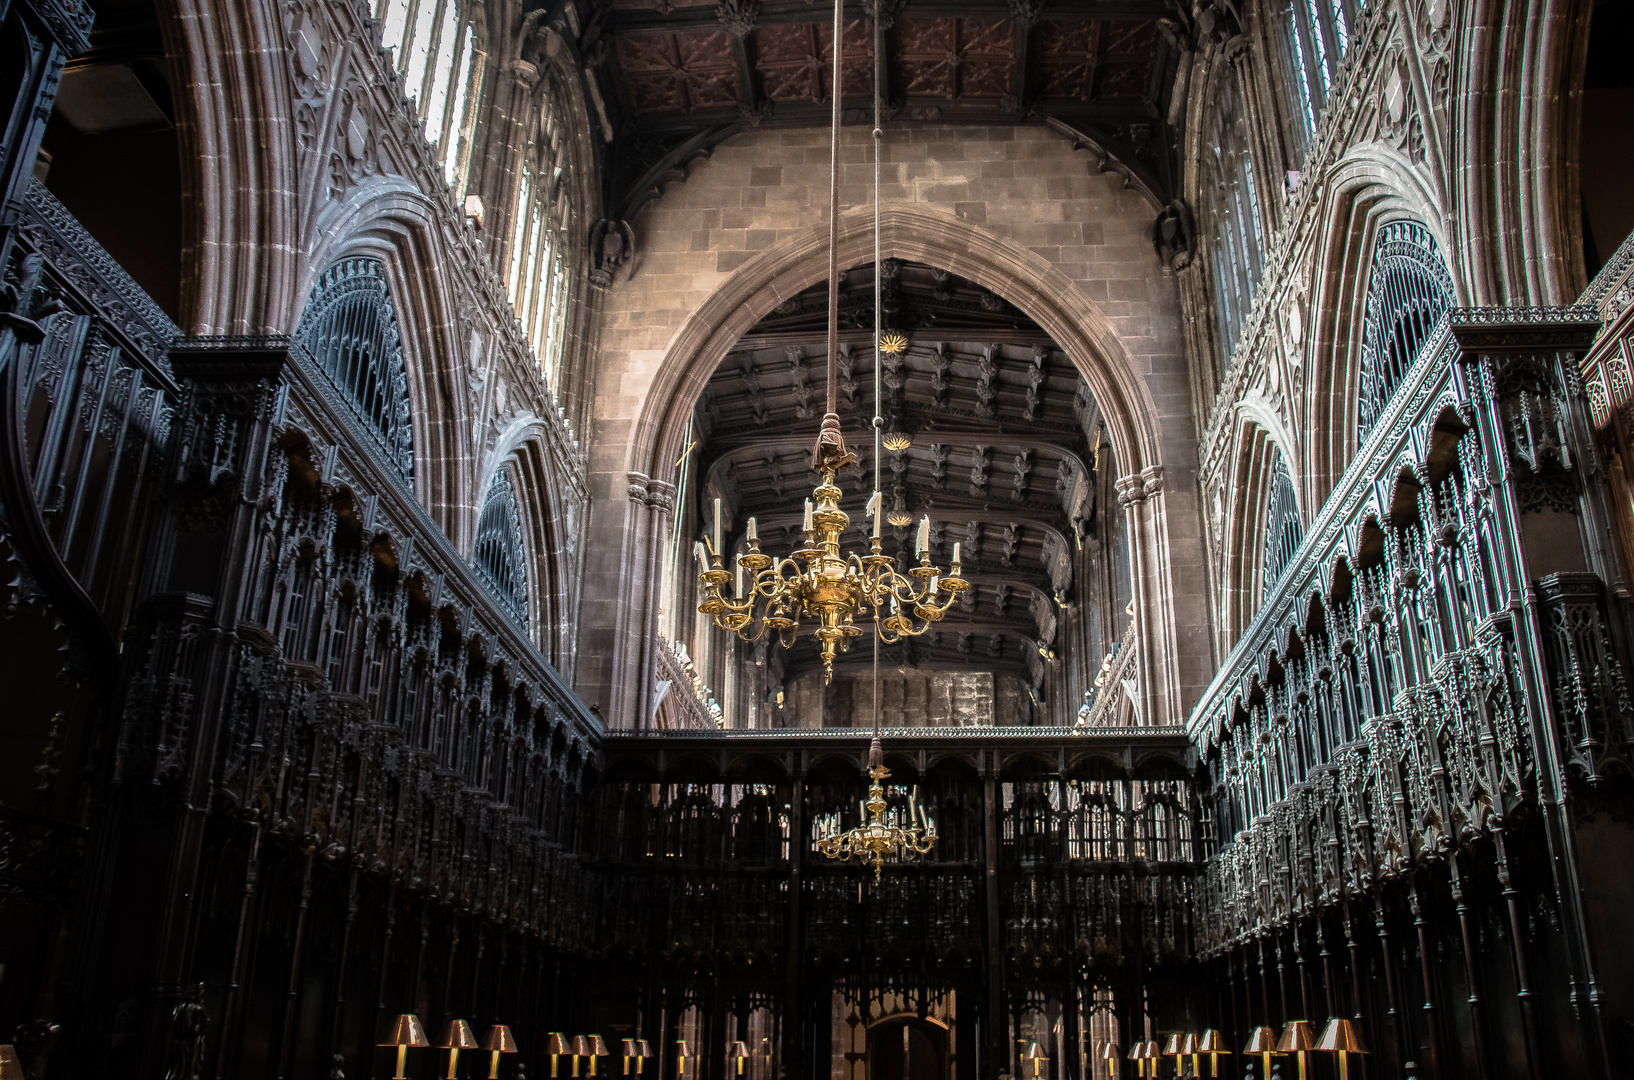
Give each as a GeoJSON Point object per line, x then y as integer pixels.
{"type": "Point", "coordinates": [1315, 95]}
{"type": "Point", "coordinates": [1330, 38]}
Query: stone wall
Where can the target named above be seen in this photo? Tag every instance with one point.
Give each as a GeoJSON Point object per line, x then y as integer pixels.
{"type": "Point", "coordinates": [1019, 208]}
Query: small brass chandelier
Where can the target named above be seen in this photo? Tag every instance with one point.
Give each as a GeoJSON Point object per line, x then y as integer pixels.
{"type": "Point", "coordinates": [873, 840]}
{"type": "Point", "coordinates": [819, 584]}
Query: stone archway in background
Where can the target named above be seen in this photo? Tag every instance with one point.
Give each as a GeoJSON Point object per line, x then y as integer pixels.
{"type": "Point", "coordinates": [1172, 664]}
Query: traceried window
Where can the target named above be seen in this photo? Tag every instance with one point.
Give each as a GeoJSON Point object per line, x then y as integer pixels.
{"type": "Point", "coordinates": [1408, 289]}
{"type": "Point", "coordinates": [499, 554]}
{"type": "Point", "coordinates": [1236, 257]}
{"type": "Point", "coordinates": [539, 277]}
{"type": "Point", "coordinates": [1316, 37]}
{"type": "Point", "coordinates": [350, 331]}
{"type": "Point", "coordinates": [440, 53]}
{"type": "Point", "coordinates": [1283, 529]}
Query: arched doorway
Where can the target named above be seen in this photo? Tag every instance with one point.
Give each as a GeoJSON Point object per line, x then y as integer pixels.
{"type": "Point", "coordinates": [906, 1048]}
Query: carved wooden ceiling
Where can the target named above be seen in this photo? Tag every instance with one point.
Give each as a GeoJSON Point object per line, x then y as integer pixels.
{"type": "Point", "coordinates": [678, 77]}
{"type": "Point", "coordinates": [1003, 458]}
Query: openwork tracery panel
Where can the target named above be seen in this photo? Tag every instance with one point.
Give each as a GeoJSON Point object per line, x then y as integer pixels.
{"type": "Point", "coordinates": [500, 556]}
{"type": "Point", "coordinates": [1408, 290]}
{"type": "Point", "coordinates": [350, 329]}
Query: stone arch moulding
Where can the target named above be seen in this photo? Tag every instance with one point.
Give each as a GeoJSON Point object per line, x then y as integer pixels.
{"type": "Point", "coordinates": [392, 221]}
{"type": "Point", "coordinates": [1258, 435]}
{"type": "Point", "coordinates": [1371, 186]}
{"type": "Point", "coordinates": [234, 125]}
{"type": "Point", "coordinates": [551, 534]}
{"type": "Point", "coordinates": [941, 239]}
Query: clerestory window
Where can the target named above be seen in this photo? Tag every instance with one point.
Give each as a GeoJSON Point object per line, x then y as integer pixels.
{"type": "Point", "coordinates": [440, 54]}
{"type": "Point", "coordinates": [539, 277]}
{"type": "Point", "coordinates": [1236, 254]}
{"type": "Point", "coordinates": [1315, 38]}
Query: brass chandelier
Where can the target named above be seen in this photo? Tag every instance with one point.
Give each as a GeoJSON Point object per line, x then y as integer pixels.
{"type": "Point", "coordinates": [871, 841]}
{"type": "Point", "coordinates": [819, 584]}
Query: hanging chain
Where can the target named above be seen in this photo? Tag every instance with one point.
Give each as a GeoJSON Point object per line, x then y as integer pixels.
{"type": "Point", "coordinates": [879, 410]}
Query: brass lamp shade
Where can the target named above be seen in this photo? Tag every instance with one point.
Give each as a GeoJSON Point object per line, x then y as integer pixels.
{"type": "Point", "coordinates": [1263, 1040]}
{"type": "Point", "coordinates": [642, 1049]}
{"type": "Point", "coordinates": [1137, 1052]}
{"type": "Point", "coordinates": [629, 1048]}
{"type": "Point", "coordinates": [1212, 1042]}
{"type": "Point", "coordinates": [581, 1046]}
{"type": "Point", "coordinates": [1110, 1051]}
{"type": "Point", "coordinates": [1034, 1050]}
{"type": "Point", "coordinates": [1152, 1051]}
{"type": "Point", "coordinates": [1172, 1044]}
{"type": "Point", "coordinates": [497, 1041]}
{"type": "Point", "coordinates": [681, 1048]}
{"type": "Point", "coordinates": [10, 1067]}
{"type": "Point", "coordinates": [1297, 1038]}
{"type": "Point", "coordinates": [1188, 1045]}
{"type": "Point", "coordinates": [558, 1044]}
{"type": "Point", "coordinates": [405, 1031]}
{"type": "Point", "coordinates": [457, 1036]}
{"type": "Point", "coordinates": [1341, 1037]}
{"type": "Point", "coordinates": [593, 1047]}
{"type": "Point", "coordinates": [740, 1049]}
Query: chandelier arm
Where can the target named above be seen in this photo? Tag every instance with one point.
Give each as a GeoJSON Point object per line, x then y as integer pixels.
{"type": "Point", "coordinates": [760, 630]}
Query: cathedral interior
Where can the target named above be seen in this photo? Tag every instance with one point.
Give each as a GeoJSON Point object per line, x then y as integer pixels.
{"type": "Point", "coordinates": [800, 540]}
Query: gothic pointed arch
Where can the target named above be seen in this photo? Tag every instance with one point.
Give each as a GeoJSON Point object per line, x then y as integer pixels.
{"type": "Point", "coordinates": [1373, 189]}
{"type": "Point", "coordinates": [500, 557]}
{"type": "Point", "coordinates": [1149, 456]}
{"type": "Point", "coordinates": [1408, 289]}
{"type": "Point", "coordinates": [349, 329]}
{"type": "Point", "coordinates": [1283, 528]}
{"type": "Point", "coordinates": [1262, 527]}
{"type": "Point", "coordinates": [550, 502]}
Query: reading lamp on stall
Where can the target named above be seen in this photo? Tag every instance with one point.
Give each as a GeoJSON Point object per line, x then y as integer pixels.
{"type": "Point", "coordinates": [1172, 1048]}
{"type": "Point", "coordinates": [497, 1041]}
{"type": "Point", "coordinates": [1111, 1055]}
{"type": "Point", "coordinates": [405, 1032]}
{"type": "Point", "coordinates": [1262, 1041]}
{"type": "Point", "coordinates": [456, 1037]}
{"type": "Point", "coordinates": [1297, 1040]}
{"type": "Point", "coordinates": [1341, 1037]}
{"type": "Point", "coordinates": [1213, 1044]}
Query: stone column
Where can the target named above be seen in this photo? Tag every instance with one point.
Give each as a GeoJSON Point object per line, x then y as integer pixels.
{"type": "Point", "coordinates": [1157, 659]}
